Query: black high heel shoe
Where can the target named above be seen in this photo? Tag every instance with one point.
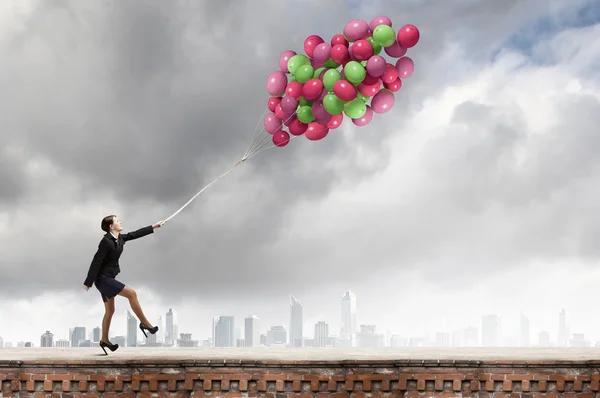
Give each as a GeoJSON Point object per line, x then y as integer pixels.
{"type": "Point", "coordinates": [151, 330]}
{"type": "Point", "coordinates": [111, 347]}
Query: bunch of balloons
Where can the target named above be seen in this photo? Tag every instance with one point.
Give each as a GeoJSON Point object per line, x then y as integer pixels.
{"type": "Point", "coordinates": [311, 92]}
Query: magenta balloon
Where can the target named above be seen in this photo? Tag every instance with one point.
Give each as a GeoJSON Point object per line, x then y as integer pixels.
{"type": "Point", "coordinates": [323, 119]}
{"type": "Point", "coordinates": [284, 58]}
{"type": "Point", "coordinates": [376, 65]}
{"type": "Point", "coordinates": [289, 104]}
{"type": "Point", "coordinates": [363, 121]}
{"type": "Point", "coordinates": [322, 53]}
{"type": "Point", "coordinates": [318, 110]}
{"type": "Point", "coordinates": [272, 123]}
{"type": "Point", "coordinates": [382, 101]}
{"type": "Point", "coordinates": [288, 121]}
{"type": "Point", "coordinates": [315, 64]}
{"type": "Point", "coordinates": [323, 94]}
{"type": "Point", "coordinates": [356, 30]}
{"type": "Point", "coordinates": [405, 67]}
{"type": "Point", "coordinates": [395, 50]}
{"type": "Point", "coordinates": [276, 83]}
{"type": "Point", "coordinates": [380, 20]}
{"type": "Point", "coordinates": [281, 138]}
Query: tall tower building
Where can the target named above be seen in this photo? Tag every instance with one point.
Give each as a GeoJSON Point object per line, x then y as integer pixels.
{"type": "Point", "coordinates": [251, 332]}
{"type": "Point", "coordinates": [132, 328]}
{"type": "Point", "coordinates": [296, 337]}
{"type": "Point", "coordinates": [349, 318]}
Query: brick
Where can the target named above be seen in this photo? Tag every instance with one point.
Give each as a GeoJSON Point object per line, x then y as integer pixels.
{"type": "Point", "coordinates": [457, 385]}
{"type": "Point", "coordinates": [207, 385]}
{"type": "Point", "coordinates": [578, 385]}
{"type": "Point", "coordinates": [66, 385]}
{"type": "Point", "coordinates": [82, 386]}
{"type": "Point", "coordinates": [525, 386]}
{"type": "Point", "coordinates": [507, 385]}
{"type": "Point", "coordinates": [47, 385]}
{"type": "Point", "coordinates": [279, 385]}
{"type": "Point", "coordinates": [243, 385]}
{"type": "Point", "coordinates": [542, 385]}
{"type": "Point", "coordinates": [296, 385]}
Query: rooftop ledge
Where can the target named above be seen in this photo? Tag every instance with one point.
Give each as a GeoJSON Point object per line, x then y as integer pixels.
{"type": "Point", "coordinates": [305, 357]}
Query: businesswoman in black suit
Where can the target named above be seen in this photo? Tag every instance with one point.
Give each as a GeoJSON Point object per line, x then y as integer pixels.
{"type": "Point", "coordinates": [105, 267]}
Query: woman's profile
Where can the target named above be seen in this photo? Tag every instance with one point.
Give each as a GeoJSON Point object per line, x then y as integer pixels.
{"type": "Point", "coordinates": [104, 269]}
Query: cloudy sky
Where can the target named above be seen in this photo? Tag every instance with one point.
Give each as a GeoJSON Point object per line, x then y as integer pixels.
{"type": "Point", "coordinates": [476, 194]}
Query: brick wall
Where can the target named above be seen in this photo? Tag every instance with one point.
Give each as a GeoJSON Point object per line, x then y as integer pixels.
{"type": "Point", "coordinates": [277, 379]}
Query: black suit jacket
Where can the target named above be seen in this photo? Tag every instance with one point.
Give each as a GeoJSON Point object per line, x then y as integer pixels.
{"type": "Point", "coordinates": [106, 259]}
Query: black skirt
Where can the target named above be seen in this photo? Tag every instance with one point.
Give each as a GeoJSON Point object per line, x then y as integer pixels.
{"type": "Point", "coordinates": [108, 287]}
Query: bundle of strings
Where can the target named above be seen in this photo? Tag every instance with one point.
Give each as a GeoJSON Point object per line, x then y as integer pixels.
{"type": "Point", "coordinates": [257, 145]}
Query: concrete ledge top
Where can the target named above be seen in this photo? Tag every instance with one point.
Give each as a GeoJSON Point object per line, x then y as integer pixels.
{"type": "Point", "coordinates": [259, 356]}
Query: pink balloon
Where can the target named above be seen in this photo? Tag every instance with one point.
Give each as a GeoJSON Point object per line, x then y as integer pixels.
{"type": "Point", "coordinates": [316, 131]}
{"type": "Point", "coordinates": [280, 113]}
{"type": "Point", "coordinates": [370, 80]}
{"type": "Point", "coordinates": [370, 90]}
{"type": "Point", "coordinates": [394, 86]}
{"type": "Point", "coordinates": [276, 83]}
{"type": "Point", "coordinates": [405, 67]}
{"type": "Point", "coordinates": [395, 50]}
{"type": "Point", "coordinates": [356, 30]}
{"type": "Point", "coordinates": [380, 20]}
{"type": "Point", "coordinates": [344, 90]}
{"type": "Point", "coordinates": [323, 94]}
{"type": "Point", "coordinates": [322, 52]}
{"type": "Point", "coordinates": [312, 89]}
{"type": "Point", "coordinates": [281, 138]}
{"type": "Point", "coordinates": [318, 110]}
{"type": "Point", "coordinates": [339, 39]}
{"type": "Point", "coordinates": [296, 127]}
{"type": "Point", "coordinates": [391, 74]}
{"type": "Point", "coordinates": [408, 36]}
{"type": "Point", "coordinates": [272, 123]}
{"type": "Point", "coordinates": [339, 54]}
{"type": "Point", "coordinates": [294, 89]}
{"type": "Point", "coordinates": [289, 104]}
{"type": "Point", "coordinates": [284, 58]}
{"type": "Point", "coordinates": [315, 64]}
{"type": "Point", "coordinates": [323, 119]}
{"type": "Point", "coordinates": [382, 101]}
{"type": "Point", "coordinates": [363, 121]}
{"type": "Point", "coordinates": [376, 65]}
{"type": "Point", "coordinates": [362, 50]}
{"type": "Point", "coordinates": [273, 102]}
{"type": "Point", "coordinates": [310, 43]}
{"type": "Point", "coordinates": [336, 121]}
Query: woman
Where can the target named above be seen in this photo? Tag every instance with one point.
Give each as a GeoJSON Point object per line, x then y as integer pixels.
{"type": "Point", "coordinates": [105, 267]}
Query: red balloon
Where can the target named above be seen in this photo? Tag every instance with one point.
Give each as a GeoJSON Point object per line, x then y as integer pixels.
{"type": "Point", "coordinates": [281, 138]}
{"type": "Point", "coordinates": [294, 89]}
{"type": "Point", "coordinates": [339, 39]}
{"type": "Point", "coordinates": [316, 131]}
{"type": "Point", "coordinates": [344, 90]}
{"type": "Point", "coordinates": [408, 36]}
{"type": "Point", "coordinates": [335, 121]}
{"type": "Point", "coordinates": [370, 80]}
{"type": "Point", "coordinates": [370, 34]}
{"type": "Point", "coordinates": [394, 86]}
{"type": "Point", "coordinates": [312, 89]}
{"type": "Point", "coordinates": [362, 50]}
{"type": "Point", "coordinates": [281, 115]}
{"type": "Point", "coordinates": [370, 90]}
{"type": "Point", "coordinates": [340, 54]}
{"type": "Point", "coordinates": [310, 43]}
{"type": "Point", "coordinates": [296, 127]}
{"type": "Point", "coordinates": [273, 102]}
{"type": "Point", "coordinates": [289, 119]}
{"type": "Point", "coordinates": [390, 75]}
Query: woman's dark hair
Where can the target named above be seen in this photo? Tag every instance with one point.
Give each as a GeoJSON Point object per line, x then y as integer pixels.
{"type": "Point", "coordinates": [107, 222]}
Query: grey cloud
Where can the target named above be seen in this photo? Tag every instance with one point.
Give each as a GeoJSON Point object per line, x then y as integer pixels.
{"type": "Point", "coordinates": [142, 99]}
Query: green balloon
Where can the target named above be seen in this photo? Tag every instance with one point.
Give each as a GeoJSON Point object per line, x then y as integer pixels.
{"type": "Point", "coordinates": [330, 77]}
{"type": "Point", "coordinates": [304, 73]}
{"type": "Point", "coordinates": [305, 115]}
{"type": "Point", "coordinates": [332, 104]}
{"type": "Point", "coordinates": [331, 64]}
{"type": "Point", "coordinates": [363, 97]}
{"type": "Point", "coordinates": [363, 63]}
{"type": "Point", "coordinates": [292, 78]}
{"type": "Point", "coordinates": [355, 109]}
{"type": "Point", "coordinates": [384, 35]}
{"type": "Point", "coordinates": [297, 61]}
{"type": "Point", "coordinates": [304, 102]}
{"type": "Point", "coordinates": [376, 46]}
{"type": "Point", "coordinates": [318, 72]}
{"type": "Point", "coordinates": [355, 72]}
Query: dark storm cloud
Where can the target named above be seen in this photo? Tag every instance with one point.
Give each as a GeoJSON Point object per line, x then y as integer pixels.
{"type": "Point", "coordinates": [144, 99]}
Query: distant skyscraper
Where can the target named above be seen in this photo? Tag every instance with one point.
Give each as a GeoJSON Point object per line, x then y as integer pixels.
{"type": "Point", "coordinates": [47, 339]}
{"type": "Point", "coordinates": [563, 329]}
{"type": "Point", "coordinates": [525, 333]}
{"type": "Point", "coordinates": [172, 329]}
{"type": "Point", "coordinates": [132, 328]}
{"type": "Point", "coordinates": [160, 335]}
{"type": "Point", "coordinates": [77, 335]}
{"type": "Point", "coordinates": [252, 334]}
{"type": "Point", "coordinates": [491, 331]}
{"type": "Point", "coordinates": [349, 318]}
{"type": "Point", "coordinates": [321, 334]}
{"type": "Point", "coordinates": [223, 331]}
{"type": "Point", "coordinates": [96, 334]}
{"type": "Point", "coordinates": [296, 338]}
{"type": "Point", "coordinates": [276, 336]}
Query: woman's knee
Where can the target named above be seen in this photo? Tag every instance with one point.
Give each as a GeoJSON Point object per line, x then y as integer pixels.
{"type": "Point", "coordinates": [128, 292]}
